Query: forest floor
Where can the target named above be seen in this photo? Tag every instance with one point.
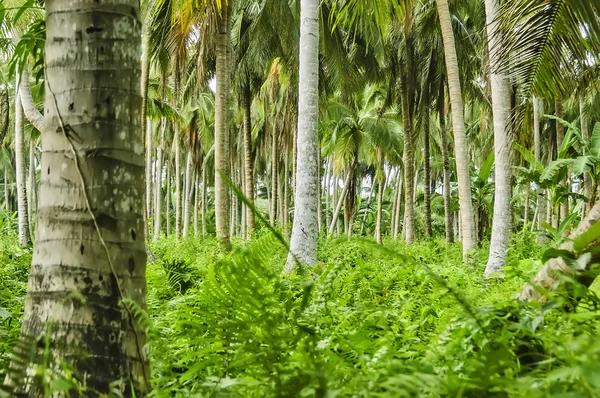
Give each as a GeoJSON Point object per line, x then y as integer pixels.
{"type": "Point", "coordinates": [396, 320]}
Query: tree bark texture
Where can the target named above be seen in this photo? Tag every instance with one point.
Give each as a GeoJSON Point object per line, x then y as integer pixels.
{"type": "Point", "coordinates": [501, 109]}
{"type": "Point", "coordinates": [458, 125]}
{"type": "Point", "coordinates": [221, 126]}
{"type": "Point", "coordinates": [22, 212]}
{"type": "Point", "coordinates": [305, 230]}
{"type": "Point", "coordinates": [448, 213]}
{"type": "Point", "coordinates": [248, 160]}
{"type": "Point", "coordinates": [90, 239]}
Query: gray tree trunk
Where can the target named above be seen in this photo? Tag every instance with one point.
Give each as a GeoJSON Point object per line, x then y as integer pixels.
{"type": "Point", "coordinates": [305, 232]}
{"type": "Point", "coordinates": [90, 225]}
{"type": "Point", "coordinates": [340, 202]}
{"type": "Point", "coordinates": [469, 239]}
{"type": "Point", "coordinates": [188, 194]}
{"type": "Point", "coordinates": [585, 134]}
{"type": "Point", "coordinates": [560, 137]}
{"type": "Point", "coordinates": [168, 194]}
{"type": "Point", "coordinates": [204, 199]}
{"type": "Point", "coordinates": [379, 222]}
{"type": "Point", "coordinates": [427, 176]}
{"type": "Point", "coordinates": [537, 149]}
{"type": "Point", "coordinates": [31, 112]}
{"type": "Point", "coordinates": [274, 174]}
{"type": "Point", "coordinates": [31, 188]}
{"type": "Point", "coordinates": [196, 195]}
{"type": "Point", "coordinates": [24, 237]}
{"type": "Point", "coordinates": [178, 196]}
{"type": "Point", "coordinates": [398, 215]}
{"type": "Point", "coordinates": [248, 161]}
{"type": "Point", "coordinates": [221, 125]}
{"type": "Point", "coordinates": [501, 108]}
{"type": "Point", "coordinates": [148, 170]}
{"type": "Point", "coordinates": [448, 213]}
{"type": "Point", "coordinates": [158, 182]}
{"type": "Point", "coordinates": [6, 194]}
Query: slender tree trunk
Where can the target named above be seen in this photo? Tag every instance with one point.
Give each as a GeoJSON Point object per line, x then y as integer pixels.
{"type": "Point", "coordinates": [379, 222]}
{"type": "Point", "coordinates": [526, 207]}
{"type": "Point", "coordinates": [30, 111]}
{"type": "Point", "coordinates": [427, 176]}
{"type": "Point", "coordinates": [319, 194]}
{"type": "Point", "coordinates": [233, 199]}
{"type": "Point", "coordinates": [90, 224]}
{"type": "Point", "coordinates": [196, 195]}
{"type": "Point", "coordinates": [368, 205]}
{"type": "Point", "coordinates": [286, 195]}
{"type": "Point", "coordinates": [24, 237]}
{"type": "Point", "coordinates": [501, 108]}
{"type": "Point", "coordinates": [328, 205]}
{"type": "Point", "coordinates": [221, 123]}
{"type": "Point", "coordinates": [303, 244]}
{"type": "Point", "coordinates": [340, 202]}
{"type": "Point", "coordinates": [537, 149]}
{"type": "Point", "coordinates": [409, 174]}
{"type": "Point", "coordinates": [204, 198]}
{"type": "Point", "coordinates": [248, 161]}
{"type": "Point", "coordinates": [585, 134]}
{"type": "Point", "coordinates": [148, 170]}
{"type": "Point", "coordinates": [158, 182]}
{"type": "Point", "coordinates": [31, 187]}
{"type": "Point", "coordinates": [188, 194]}
{"type": "Point", "coordinates": [560, 137]}
{"type": "Point", "coordinates": [274, 174]}
{"type": "Point", "coordinates": [460, 145]}
{"type": "Point", "coordinates": [6, 194]}
{"type": "Point", "coordinates": [396, 227]}
{"type": "Point", "coordinates": [168, 195]}
{"type": "Point", "coordinates": [448, 213]}
{"type": "Point", "coordinates": [178, 196]}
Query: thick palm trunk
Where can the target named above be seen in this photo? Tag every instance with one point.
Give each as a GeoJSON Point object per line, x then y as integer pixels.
{"type": "Point", "coordinates": [448, 214]}
{"type": "Point", "coordinates": [585, 134]}
{"type": "Point", "coordinates": [24, 237]}
{"type": "Point", "coordinates": [305, 230]}
{"type": "Point", "coordinates": [158, 183]}
{"type": "Point", "coordinates": [458, 124]}
{"type": "Point", "coordinates": [248, 161]}
{"type": "Point", "coordinates": [427, 177]}
{"type": "Point", "coordinates": [90, 239]}
{"type": "Point", "coordinates": [148, 170]}
{"type": "Point", "coordinates": [501, 108]}
{"type": "Point", "coordinates": [221, 123]}
{"type": "Point", "coordinates": [187, 196]}
{"type": "Point", "coordinates": [537, 149]}
{"type": "Point", "coordinates": [168, 194]}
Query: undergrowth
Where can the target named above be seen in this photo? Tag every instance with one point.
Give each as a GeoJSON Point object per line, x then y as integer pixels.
{"type": "Point", "coordinates": [367, 321]}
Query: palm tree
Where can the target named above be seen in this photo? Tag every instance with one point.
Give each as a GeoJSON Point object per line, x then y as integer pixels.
{"type": "Point", "coordinates": [90, 237]}
{"type": "Point", "coordinates": [501, 109]}
{"type": "Point", "coordinates": [458, 124]}
{"type": "Point", "coordinates": [305, 231]}
{"type": "Point", "coordinates": [23, 223]}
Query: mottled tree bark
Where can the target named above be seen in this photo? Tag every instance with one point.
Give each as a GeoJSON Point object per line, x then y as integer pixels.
{"type": "Point", "coordinates": [560, 137]}
{"type": "Point", "coordinates": [537, 149]}
{"type": "Point", "coordinates": [448, 213]}
{"type": "Point", "coordinates": [221, 125]}
{"type": "Point", "coordinates": [501, 109]}
{"type": "Point", "coordinates": [158, 182]}
{"type": "Point", "coordinates": [379, 222]}
{"type": "Point", "coordinates": [188, 194]}
{"type": "Point", "coordinates": [585, 134]}
{"type": "Point", "coordinates": [148, 170]}
{"type": "Point", "coordinates": [31, 112]}
{"type": "Point", "coordinates": [31, 188]}
{"type": "Point", "coordinates": [409, 170]}
{"type": "Point", "coordinates": [274, 174]}
{"type": "Point", "coordinates": [178, 196]}
{"type": "Point", "coordinates": [23, 222]}
{"type": "Point", "coordinates": [427, 176]}
{"type": "Point", "coordinates": [469, 240]}
{"type": "Point", "coordinates": [89, 252]}
{"type": "Point", "coordinates": [248, 161]}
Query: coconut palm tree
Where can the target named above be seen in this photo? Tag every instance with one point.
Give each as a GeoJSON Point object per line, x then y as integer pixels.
{"type": "Point", "coordinates": [90, 235]}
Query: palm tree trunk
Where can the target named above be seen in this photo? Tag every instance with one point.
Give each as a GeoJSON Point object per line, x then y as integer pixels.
{"type": "Point", "coordinates": [24, 237]}
{"type": "Point", "coordinates": [305, 231]}
{"type": "Point", "coordinates": [448, 214]}
{"type": "Point", "coordinates": [178, 198]}
{"type": "Point", "coordinates": [148, 170]}
{"type": "Point", "coordinates": [221, 125]}
{"type": "Point", "coordinates": [427, 177]}
{"type": "Point", "coordinates": [196, 195]}
{"type": "Point", "coordinates": [328, 175]}
{"type": "Point", "coordinates": [30, 111]}
{"type": "Point", "coordinates": [379, 222]}
{"type": "Point", "coordinates": [168, 195]}
{"type": "Point", "coordinates": [31, 187]}
{"type": "Point", "coordinates": [340, 202]}
{"type": "Point", "coordinates": [90, 225]}
{"type": "Point", "coordinates": [458, 124]}
{"type": "Point", "coordinates": [204, 204]}
{"type": "Point", "coordinates": [366, 208]}
{"type": "Point", "coordinates": [158, 182]}
{"type": "Point", "coordinates": [188, 194]}
{"type": "Point", "coordinates": [409, 173]}
{"type": "Point", "coordinates": [248, 161]}
{"type": "Point", "coordinates": [585, 134]}
{"type": "Point", "coordinates": [398, 214]}
{"type": "Point", "coordinates": [6, 194]}
{"type": "Point", "coordinates": [501, 109]}
{"type": "Point", "coordinates": [537, 149]}
{"type": "Point", "coordinates": [274, 173]}
{"type": "Point", "coordinates": [560, 137]}
{"type": "Point", "coordinates": [319, 194]}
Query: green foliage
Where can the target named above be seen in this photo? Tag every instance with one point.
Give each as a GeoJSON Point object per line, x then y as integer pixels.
{"type": "Point", "coordinates": [368, 320]}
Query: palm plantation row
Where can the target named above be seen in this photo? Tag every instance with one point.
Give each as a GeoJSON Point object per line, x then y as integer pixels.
{"type": "Point", "coordinates": [406, 119]}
